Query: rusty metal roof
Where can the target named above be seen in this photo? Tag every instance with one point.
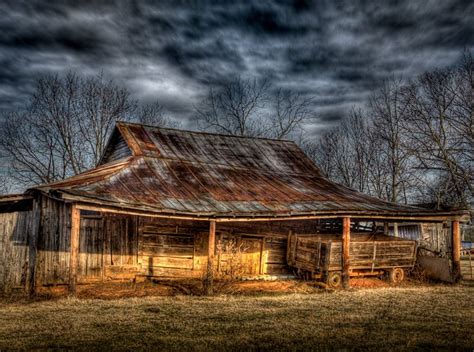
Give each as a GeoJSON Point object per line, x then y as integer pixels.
{"type": "Point", "coordinates": [184, 172]}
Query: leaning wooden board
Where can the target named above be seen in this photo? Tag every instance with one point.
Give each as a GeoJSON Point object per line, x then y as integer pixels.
{"type": "Point", "coordinates": [322, 253]}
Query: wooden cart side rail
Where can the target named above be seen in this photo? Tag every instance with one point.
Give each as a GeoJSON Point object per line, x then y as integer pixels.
{"type": "Point", "coordinates": [318, 255]}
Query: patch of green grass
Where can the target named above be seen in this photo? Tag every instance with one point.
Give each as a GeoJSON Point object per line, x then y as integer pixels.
{"type": "Point", "coordinates": [439, 317]}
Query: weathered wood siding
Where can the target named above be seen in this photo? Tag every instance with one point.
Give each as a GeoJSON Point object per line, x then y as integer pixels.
{"type": "Point", "coordinates": [53, 243]}
{"type": "Point", "coordinates": [262, 253]}
{"type": "Point", "coordinates": [172, 248]}
{"type": "Point", "coordinates": [274, 251]}
{"type": "Point", "coordinates": [14, 233]}
{"type": "Point", "coordinates": [120, 247]}
{"type": "Point", "coordinates": [116, 150]}
{"type": "Point", "coordinates": [108, 247]}
{"type": "Point", "coordinates": [436, 237]}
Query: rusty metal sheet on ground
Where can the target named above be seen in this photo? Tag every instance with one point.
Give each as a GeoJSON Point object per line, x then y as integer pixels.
{"type": "Point", "coordinates": [435, 268]}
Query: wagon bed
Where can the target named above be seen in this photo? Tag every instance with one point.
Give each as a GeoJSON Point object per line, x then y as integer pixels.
{"type": "Point", "coordinates": [370, 254]}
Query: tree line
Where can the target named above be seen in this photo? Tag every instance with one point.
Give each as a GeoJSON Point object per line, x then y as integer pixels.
{"type": "Point", "coordinates": [413, 141]}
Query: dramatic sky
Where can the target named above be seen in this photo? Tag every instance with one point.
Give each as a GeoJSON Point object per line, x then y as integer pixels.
{"type": "Point", "coordinates": [336, 51]}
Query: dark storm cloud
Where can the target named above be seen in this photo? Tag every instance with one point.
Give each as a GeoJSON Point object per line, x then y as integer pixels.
{"type": "Point", "coordinates": [338, 52]}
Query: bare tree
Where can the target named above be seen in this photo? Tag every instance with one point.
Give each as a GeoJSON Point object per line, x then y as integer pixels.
{"type": "Point", "coordinates": [413, 142]}
{"type": "Point", "coordinates": [463, 116]}
{"type": "Point", "coordinates": [33, 150]}
{"type": "Point", "coordinates": [154, 114]}
{"type": "Point", "coordinates": [388, 110]}
{"type": "Point", "coordinates": [235, 108]}
{"type": "Point", "coordinates": [65, 128]}
{"type": "Point", "coordinates": [5, 186]}
{"type": "Point", "coordinates": [342, 152]}
{"type": "Point", "coordinates": [438, 141]}
{"type": "Point", "coordinates": [250, 108]}
{"type": "Point", "coordinates": [291, 110]}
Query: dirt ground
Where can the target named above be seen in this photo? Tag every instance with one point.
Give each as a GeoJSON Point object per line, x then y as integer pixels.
{"type": "Point", "coordinates": [253, 315]}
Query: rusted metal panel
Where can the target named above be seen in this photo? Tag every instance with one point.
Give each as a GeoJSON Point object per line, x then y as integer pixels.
{"type": "Point", "coordinates": [201, 173]}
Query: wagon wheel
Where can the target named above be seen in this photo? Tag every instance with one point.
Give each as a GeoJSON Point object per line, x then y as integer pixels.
{"type": "Point", "coordinates": [334, 279]}
{"type": "Point", "coordinates": [396, 275]}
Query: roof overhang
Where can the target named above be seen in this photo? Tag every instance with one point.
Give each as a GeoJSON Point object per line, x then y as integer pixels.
{"type": "Point", "coordinates": [111, 207]}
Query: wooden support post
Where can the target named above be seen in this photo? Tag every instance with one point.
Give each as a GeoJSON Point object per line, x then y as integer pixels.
{"type": "Point", "coordinates": [385, 228]}
{"type": "Point", "coordinates": [456, 245]}
{"type": "Point", "coordinates": [289, 254]}
{"type": "Point", "coordinates": [74, 248]}
{"type": "Point", "coordinates": [33, 247]}
{"type": "Point", "coordinates": [395, 229]}
{"type": "Point", "coordinates": [209, 278]}
{"type": "Point", "coordinates": [346, 243]}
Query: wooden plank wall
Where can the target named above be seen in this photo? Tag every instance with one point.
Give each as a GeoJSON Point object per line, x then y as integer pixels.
{"type": "Point", "coordinates": [274, 252]}
{"type": "Point", "coordinates": [120, 247]}
{"type": "Point", "coordinates": [53, 243]}
{"type": "Point", "coordinates": [172, 248]}
{"type": "Point", "coordinates": [108, 247]}
{"type": "Point", "coordinates": [436, 237]}
{"type": "Point", "coordinates": [118, 149]}
{"type": "Point", "coordinates": [14, 231]}
{"type": "Point", "coordinates": [91, 248]}
{"type": "Point", "coordinates": [263, 253]}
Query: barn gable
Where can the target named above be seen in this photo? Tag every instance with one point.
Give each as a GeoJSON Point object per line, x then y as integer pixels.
{"type": "Point", "coordinates": [117, 148]}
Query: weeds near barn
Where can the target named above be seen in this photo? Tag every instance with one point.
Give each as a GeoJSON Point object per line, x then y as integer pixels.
{"type": "Point", "coordinates": [438, 317]}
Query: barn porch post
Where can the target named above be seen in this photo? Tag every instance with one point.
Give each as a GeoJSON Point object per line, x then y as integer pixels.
{"type": "Point", "coordinates": [74, 248]}
{"type": "Point", "coordinates": [456, 249]}
{"type": "Point", "coordinates": [209, 278]}
{"type": "Point", "coordinates": [346, 242]}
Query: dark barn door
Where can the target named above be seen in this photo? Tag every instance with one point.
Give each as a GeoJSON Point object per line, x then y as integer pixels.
{"type": "Point", "coordinates": [108, 248]}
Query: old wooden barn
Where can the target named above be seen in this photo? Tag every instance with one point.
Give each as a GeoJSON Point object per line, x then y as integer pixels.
{"type": "Point", "coordinates": [163, 201]}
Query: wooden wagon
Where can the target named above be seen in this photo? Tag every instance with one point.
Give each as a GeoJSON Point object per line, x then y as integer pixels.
{"type": "Point", "coordinates": [320, 256]}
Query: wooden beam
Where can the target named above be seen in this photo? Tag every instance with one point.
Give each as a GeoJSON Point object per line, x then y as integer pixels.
{"type": "Point", "coordinates": [112, 210]}
{"type": "Point", "coordinates": [456, 254]}
{"type": "Point", "coordinates": [209, 278]}
{"type": "Point", "coordinates": [336, 215]}
{"type": "Point", "coordinates": [210, 217]}
{"type": "Point", "coordinates": [346, 244]}
{"type": "Point", "coordinates": [74, 248]}
{"type": "Point", "coordinates": [33, 247]}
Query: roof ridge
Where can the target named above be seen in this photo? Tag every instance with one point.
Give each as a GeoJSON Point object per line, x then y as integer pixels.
{"type": "Point", "coordinates": [202, 132]}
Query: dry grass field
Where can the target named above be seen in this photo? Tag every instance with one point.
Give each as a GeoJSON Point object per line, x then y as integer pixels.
{"type": "Point", "coordinates": [381, 318]}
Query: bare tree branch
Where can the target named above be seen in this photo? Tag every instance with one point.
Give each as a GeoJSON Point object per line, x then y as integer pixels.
{"type": "Point", "coordinates": [66, 127]}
